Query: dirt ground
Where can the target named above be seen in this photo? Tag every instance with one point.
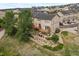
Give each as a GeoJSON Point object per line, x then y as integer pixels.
{"type": "Point", "coordinates": [2, 33]}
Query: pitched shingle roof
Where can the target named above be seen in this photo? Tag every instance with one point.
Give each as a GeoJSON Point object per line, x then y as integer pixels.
{"type": "Point", "coordinates": [42, 15]}
{"type": "Point", "coordinates": [69, 12]}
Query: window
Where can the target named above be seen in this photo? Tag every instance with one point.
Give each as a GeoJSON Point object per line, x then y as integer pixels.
{"type": "Point", "coordinates": [46, 27]}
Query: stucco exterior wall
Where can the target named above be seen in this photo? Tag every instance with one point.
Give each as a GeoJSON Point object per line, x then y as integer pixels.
{"type": "Point", "coordinates": [45, 23]}
{"type": "Point", "coordinates": [55, 24]}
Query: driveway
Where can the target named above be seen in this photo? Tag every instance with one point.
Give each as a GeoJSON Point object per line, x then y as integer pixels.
{"type": "Point", "coordinates": [72, 30]}
{"type": "Point", "coordinates": [2, 33]}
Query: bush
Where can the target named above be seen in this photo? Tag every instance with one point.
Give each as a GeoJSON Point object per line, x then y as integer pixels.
{"type": "Point", "coordinates": [58, 47]}
{"type": "Point", "coordinates": [65, 33]}
{"type": "Point", "coordinates": [55, 38]}
{"type": "Point", "coordinates": [14, 31]}
{"type": "Point", "coordinates": [48, 47]}
{"type": "Point", "coordinates": [57, 30]}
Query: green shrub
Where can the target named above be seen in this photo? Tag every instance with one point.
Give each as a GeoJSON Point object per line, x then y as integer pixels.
{"type": "Point", "coordinates": [65, 33]}
{"type": "Point", "coordinates": [55, 38]}
{"type": "Point", "coordinates": [48, 47]}
{"type": "Point", "coordinates": [58, 47]}
{"type": "Point", "coordinates": [14, 31]}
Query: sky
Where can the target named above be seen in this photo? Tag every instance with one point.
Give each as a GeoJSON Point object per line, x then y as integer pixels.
{"type": "Point", "coordinates": [5, 4]}
{"type": "Point", "coordinates": [26, 5]}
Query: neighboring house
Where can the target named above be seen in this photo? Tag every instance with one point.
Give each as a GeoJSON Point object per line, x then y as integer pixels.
{"type": "Point", "coordinates": [69, 17]}
{"type": "Point", "coordinates": [45, 22]}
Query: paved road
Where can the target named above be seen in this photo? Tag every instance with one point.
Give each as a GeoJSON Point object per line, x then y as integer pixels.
{"type": "Point", "coordinates": [2, 33]}
{"type": "Point", "coordinates": [72, 30]}
{"type": "Point", "coordinates": [69, 26]}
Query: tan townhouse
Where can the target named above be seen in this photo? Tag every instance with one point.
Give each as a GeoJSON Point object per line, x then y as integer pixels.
{"type": "Point", "coordinates": [45, 22]}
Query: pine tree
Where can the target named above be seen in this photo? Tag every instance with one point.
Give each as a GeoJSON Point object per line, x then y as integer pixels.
{"type": "Point", "coordinates": [9, 22]}
{"type": "Point", "coordinates": [24, 25]}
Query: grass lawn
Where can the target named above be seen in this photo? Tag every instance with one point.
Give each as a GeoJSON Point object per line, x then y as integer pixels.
{"type": "Point", "coordinates": [13, 47]}
{"type": "Point", "coordinates": [70, 48]}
